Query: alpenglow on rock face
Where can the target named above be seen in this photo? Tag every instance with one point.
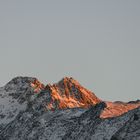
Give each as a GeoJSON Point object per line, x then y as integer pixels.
{"type": "Point", "coordinates": [63, 111]}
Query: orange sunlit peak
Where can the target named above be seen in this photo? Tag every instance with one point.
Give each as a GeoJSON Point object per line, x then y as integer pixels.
{"type": "Point", "coordinates": [63, 95]}
{"type": "Point", "coordinates": [37, 86]}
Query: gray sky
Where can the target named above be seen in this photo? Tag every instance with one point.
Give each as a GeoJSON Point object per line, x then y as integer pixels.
{"type": "Point", "coordinates": [96, 42]}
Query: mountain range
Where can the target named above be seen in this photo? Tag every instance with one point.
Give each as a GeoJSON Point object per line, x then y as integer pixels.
{"type": "Point", "coordinates": [30, 110]}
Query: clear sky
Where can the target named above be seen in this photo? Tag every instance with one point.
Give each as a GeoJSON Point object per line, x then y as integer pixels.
{"type": "Point", "coordinates": [95, 41]}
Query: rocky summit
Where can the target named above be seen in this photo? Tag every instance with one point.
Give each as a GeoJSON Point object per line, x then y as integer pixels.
{"type": "Point", "coordinates": [30, 110]}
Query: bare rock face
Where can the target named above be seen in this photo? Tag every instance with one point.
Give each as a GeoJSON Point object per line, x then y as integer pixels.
{"type": "Point", "coordinates": [68, 93]}
{"type": "Point", "coordinates": [63, 111]}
